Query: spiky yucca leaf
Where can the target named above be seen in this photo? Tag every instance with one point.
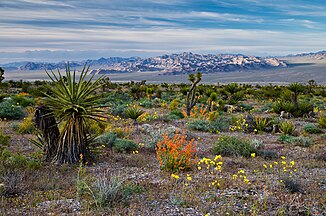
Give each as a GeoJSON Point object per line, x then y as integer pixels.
{"type": "Point", "coordinates": [73, 101]}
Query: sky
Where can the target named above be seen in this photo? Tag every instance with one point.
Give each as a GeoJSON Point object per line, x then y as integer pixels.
{"type": "Point", "coordinates": [55, 30]}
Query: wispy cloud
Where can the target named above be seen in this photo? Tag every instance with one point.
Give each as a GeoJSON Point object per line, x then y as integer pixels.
{"type": "Point", "coordinates": [145, 27]}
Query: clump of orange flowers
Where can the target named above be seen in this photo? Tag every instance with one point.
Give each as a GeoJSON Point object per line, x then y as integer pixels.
{"type": "Point", "coordinates": [176, 153]}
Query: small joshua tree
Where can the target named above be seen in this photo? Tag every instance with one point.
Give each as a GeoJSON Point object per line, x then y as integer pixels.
{"type": "Point", "coordinates": [296, 89]}
{"type": "Point", "coordinates": [191, 94]}
{"type": "Point", "coordinates": [211, 101]}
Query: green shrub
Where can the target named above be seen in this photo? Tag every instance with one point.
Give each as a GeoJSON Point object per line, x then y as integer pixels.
{"type": "Point", "coordinates": [246, 107]}
{"type": "Point", "coordinates": [219, 124]}
{"type": "Point", "coordinates": [107, 139]}
{"type": "Point", "coordinates": [144, 102]}
{"type": "Point", "coordinates": [175, 115]}
{"type": "Point", "coordinates": [118, 109]}
{"type": "Point", "coordinates": [174, 104]}
{"type": "Point", "coordinates": [284, 138]}
{"type": "Point", "coordinates": [228, 145]}
{"type": "Point", "coordinates": [199, 125]}
{"type": "Point", "coordinates": [293, 186]}
{"type": "Point", "coordinates": [287, 127]}
{"type": "Point", "coordinates": [312, 129]}
{"type": "Point", "coordinates": [23, 101]}
{"type": "Point", "coordinates": [267, 154]}
{"type": "Point", "coordinates": [298, 141]}
{"type": "Point", "coordinates": [27, 126]}
{"type": "Point", "coordinates": [302, 141]}
{"type": "Point", "coordinates": [322, 121]}
{"type": "Point", "coordinates": [10, 111]}
{"type": "Point", "coordinates": [122, 145]}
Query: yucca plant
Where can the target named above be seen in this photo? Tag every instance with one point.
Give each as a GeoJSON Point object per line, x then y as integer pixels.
{"type": "Point", "coordinates": [134, 113]}
{"type": "Point", "coordinates": [287, 127]}
{"type": "Point", "coordinates": [72, 102]}
{"type": "Point", "coordinates": [261, 123]}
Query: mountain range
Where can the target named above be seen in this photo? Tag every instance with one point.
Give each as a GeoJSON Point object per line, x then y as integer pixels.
{"type": "Point", "coordinates": [172, 64]}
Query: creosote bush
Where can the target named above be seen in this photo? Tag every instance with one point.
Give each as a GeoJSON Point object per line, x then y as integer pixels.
{"type": "Point", "coordinates": [176, 154]}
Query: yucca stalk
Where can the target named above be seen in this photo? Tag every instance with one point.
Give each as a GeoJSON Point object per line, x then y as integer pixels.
{"type": "Point", "coordinates": [73, 101]}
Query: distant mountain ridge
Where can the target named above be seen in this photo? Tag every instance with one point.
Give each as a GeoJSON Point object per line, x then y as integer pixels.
{"type": "Point", "coordinates": [315, 55]}
{"type": "Point", "coordinates": [183, 63]}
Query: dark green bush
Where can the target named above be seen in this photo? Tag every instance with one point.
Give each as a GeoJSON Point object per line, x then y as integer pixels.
{"type": "Point", "coordinates": [23, 101]}
{"type": "Point", "coordinates": [312, 129]}
{"type": "Point", "coordinates": [219, 124]}
{"type": "Point", "coordinates": [199, 125]}
{"type": "Point", "coordinates": [175, 115]}
{"type": "Point", "coordinates": [228, 145]}
{"type": "Point", "coordinates": [122, 145]}
{"type": "Point", "coordinates": [9, 110]}
{"type": "Point", "coordinates": [107, 139]}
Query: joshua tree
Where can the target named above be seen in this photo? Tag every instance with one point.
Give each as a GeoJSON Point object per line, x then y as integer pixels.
{"type": "Point", "coordinates": [191, 94]}
{"type": "Point", "coordinates": [2, 71]}
{"type": "Point", "coordinates": [72, 102]}
{"type": "Point", "coordinates": [296, 89]}
{"type": "Point", "coordinates": [211, 101]}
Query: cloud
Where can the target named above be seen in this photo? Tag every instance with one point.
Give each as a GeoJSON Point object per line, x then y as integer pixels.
{"type": "Point", "coordinates": [143, 27]}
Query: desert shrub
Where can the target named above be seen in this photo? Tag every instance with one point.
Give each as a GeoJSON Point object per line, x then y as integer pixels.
{"type": "Point", "coordinates": [9, 110]}
{"type": "Point", "coordinates": [246, 107]}
{"type": "Point", "coordinates": [267, 154]}
{"type": "Point", "coordinates": [176, 154]}
{"type": "Point", "coordinates": [122, 132]}
{"type": "Point", "coordinates": [155, 136]}
{"type": "Point", "coordinates": [118, 110]}
{"type": "Point", "coordinates": [27, 126]}
{"type": "Point", "coordinates": [23, 100]}
{"type": "Point", "coordinates": [322, 121]}
{"type": "Point", "coordinates": [285, 138]}
{"type": "Point", "coordinates": [287, 127]}
{"type": "Point", "coordinates": [302, 141]}
{"type": "Point", "coordinates": [123, 145]}
{"type": "Point", "coordinates": [144, 102]}
{"type": "Point", "coordinates": [12, 161]}
{"type": "Point", "coordinates": [107, 139]}
{"type": "Point", "coordinates": [95, 128]}
{"type": "Point", "coordinates": [4, 141]}
{"type": "Point", "coordinates": [228, 145]}
{"type": "Point", "coordinates": [292, 185]}
{"type": "Point", "coordinates": [312, 129]}
{"type": "Point", "coordinates": [174, 104]}
{"type": "Point", "coordinates": [106, 191]}
{"type": "Point", "coordinates": [219, 124]}
{"type": "Point", "coordinates": [199, 125]}
{"type": "Point", "coordinates": [298, 141]}
{"type": "Point", "coordinates": [175, 115]}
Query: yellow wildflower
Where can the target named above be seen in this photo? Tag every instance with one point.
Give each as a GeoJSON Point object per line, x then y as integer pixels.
{"type": "Point", "coordinates": [253, 155]}
{"type": "Point", "coordinates": [175, 176]}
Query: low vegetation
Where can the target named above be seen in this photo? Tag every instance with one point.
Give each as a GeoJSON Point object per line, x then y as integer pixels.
{"type": "Point", "coordinates": [76, 145]}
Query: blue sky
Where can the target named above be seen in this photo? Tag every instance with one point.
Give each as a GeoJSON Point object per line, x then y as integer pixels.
{"type": "Point", "coordinates": [53, 30]}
